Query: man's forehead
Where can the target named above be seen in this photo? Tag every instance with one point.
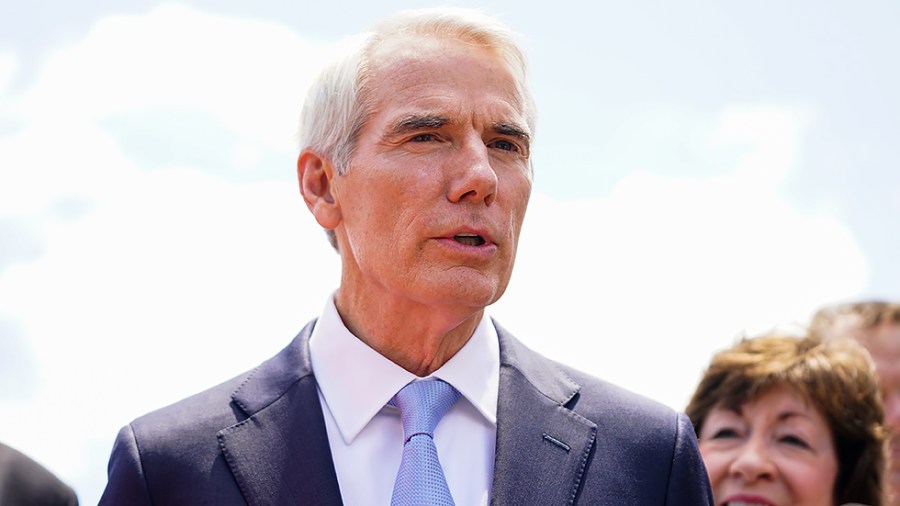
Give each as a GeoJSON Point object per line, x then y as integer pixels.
{"type": "Point", "coordinates": [432, 60]}
{"type": "Point", "coordinates": [411, 46]}
{"type": "Point", "coordinates": [885, 337]}
{"type": "Point", "coordinates": [434, 82]}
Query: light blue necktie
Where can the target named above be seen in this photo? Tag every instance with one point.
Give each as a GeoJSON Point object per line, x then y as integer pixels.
{"type": "Point", "coordinates": [420, 479]}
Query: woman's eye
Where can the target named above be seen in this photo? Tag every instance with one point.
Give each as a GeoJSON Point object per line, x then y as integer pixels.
{"type": "Point", "coordinates": [794, 441]}
{"type": "Point", "coordinates": [725, 433]}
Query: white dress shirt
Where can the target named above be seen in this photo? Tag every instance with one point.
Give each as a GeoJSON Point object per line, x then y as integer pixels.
{"type": "Point", "coordinates": [364, 432]}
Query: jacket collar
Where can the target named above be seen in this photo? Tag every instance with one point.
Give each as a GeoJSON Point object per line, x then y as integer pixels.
{"type": "Point", "coordinates": [543, 446]}
{"type": "Point", "coordinates": [280, 453]}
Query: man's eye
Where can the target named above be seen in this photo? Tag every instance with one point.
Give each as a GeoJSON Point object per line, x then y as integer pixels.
{"type": "Point", "coordinates": [423, 138]}
{"type": "Point", "coordinates": [505, 145]}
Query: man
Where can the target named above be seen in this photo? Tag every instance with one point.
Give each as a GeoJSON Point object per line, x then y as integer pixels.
{"type": "Point", "coordinates": [24, 482]}
{"type": "Point", "coordinates": [876, 325]}
{"type": "Point", "coordinates": [416, 160]}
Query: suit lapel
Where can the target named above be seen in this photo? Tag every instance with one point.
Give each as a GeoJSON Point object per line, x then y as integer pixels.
{"type": "Point", "coordinates": [280, 453]}
{"type": "Point", "coordinates": [542, 446]}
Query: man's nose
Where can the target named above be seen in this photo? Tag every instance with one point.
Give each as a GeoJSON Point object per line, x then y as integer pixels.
{"type": "Point", "coordinates": [753, 462]}
{"type": "Point", "coordinates": [473, 177]}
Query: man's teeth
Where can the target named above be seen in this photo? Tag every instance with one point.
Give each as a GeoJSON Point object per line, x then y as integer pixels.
{"type": "Point", "coordinates": [469, 239]}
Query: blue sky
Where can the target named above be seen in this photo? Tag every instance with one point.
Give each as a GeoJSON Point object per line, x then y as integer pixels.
{"type": "Point", "coordinates": [702, 170]}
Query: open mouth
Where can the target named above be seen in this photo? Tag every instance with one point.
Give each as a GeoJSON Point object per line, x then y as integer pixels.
{"type": "Point", "coordinates": [469, 239]}
{"type": "Point", "coordinates": [742, 503]}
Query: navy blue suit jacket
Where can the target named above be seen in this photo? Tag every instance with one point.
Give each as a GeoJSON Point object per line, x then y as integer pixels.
{"type": "Point", "coordinates": [563, 437]}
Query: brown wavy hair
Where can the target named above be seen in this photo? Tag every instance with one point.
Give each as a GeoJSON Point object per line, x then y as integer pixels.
{"type": "Point", "coordinates": [860, 315]}
{"type": "Point", "coordinates": [836, 377]}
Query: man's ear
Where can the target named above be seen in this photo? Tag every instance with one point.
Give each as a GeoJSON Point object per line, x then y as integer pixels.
{"type": "Point", "coordinates": [316, 178]}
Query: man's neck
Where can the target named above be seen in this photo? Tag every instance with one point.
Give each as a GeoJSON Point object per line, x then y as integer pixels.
{"type": "Point", "coordinates": [414, 336]}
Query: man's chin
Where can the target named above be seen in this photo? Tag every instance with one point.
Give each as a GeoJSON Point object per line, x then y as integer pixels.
{"type": "Point", "coordinates": [470, 287]}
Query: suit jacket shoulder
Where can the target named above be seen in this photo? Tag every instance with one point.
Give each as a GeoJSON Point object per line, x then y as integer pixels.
{"type": "Point", "coordinates": [245, 441]}
{"type": "Point", "coordinates": [566, 437]}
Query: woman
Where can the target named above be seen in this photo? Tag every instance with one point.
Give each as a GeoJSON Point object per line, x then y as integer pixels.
{"type": "Point", "coordinates": [785, 420]}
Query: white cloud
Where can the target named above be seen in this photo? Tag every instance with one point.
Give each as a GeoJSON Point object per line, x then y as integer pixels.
{"type": "Point", "coordinates": [8, 66]}
{"type": "Point", "coordinates": [249, 74]}
{"type": "Point", "coordinates": [773, 136]}
{"type": "Point", "coordinates": [48, 161]}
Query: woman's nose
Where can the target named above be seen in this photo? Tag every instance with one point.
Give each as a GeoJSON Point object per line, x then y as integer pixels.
{"type": "Point", "coordinates": [753, 462]}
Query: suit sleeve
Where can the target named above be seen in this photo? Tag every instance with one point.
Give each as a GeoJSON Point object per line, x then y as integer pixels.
{"type": "Point", "coordinates": [126, 483]}
{"type": "Point", "coordinates": [688, 481]}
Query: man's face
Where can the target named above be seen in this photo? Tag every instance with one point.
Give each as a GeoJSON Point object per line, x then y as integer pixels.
{"type": "Point", "coordinates": [883, 343]}
{"type": "Point", "coordinates": [433, 202]}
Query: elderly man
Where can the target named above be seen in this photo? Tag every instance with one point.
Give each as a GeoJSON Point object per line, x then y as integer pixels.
{"type": "Point", "coordinates": [876, 325]}
{"type": "Point", "coordinates": [416, 159]}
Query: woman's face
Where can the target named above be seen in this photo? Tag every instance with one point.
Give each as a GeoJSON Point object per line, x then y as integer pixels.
{"type": "Point", "coordinates": [775, 450]}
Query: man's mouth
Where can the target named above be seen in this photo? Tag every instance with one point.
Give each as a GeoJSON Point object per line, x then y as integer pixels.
{"type": "Point", "coordinates": [469, 239]}
{"type": "Point", "coordinates": [742, 503]}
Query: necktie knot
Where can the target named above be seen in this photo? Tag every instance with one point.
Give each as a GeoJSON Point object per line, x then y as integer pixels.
{"type": "Point", "coordinates": [422, 404]}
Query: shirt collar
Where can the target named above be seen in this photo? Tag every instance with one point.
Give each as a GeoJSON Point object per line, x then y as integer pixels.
{"type": "Point", "coordinates": [356, 381]}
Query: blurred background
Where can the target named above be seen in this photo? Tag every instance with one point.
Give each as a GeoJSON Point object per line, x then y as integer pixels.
{"type": "Point", "coordinates": [702, 171]}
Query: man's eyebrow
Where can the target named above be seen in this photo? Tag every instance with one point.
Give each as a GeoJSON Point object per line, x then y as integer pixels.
{"type": "Point", "coordinates": [417, 122]}
{"type": "Point", "coordinates": [513, 130]}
